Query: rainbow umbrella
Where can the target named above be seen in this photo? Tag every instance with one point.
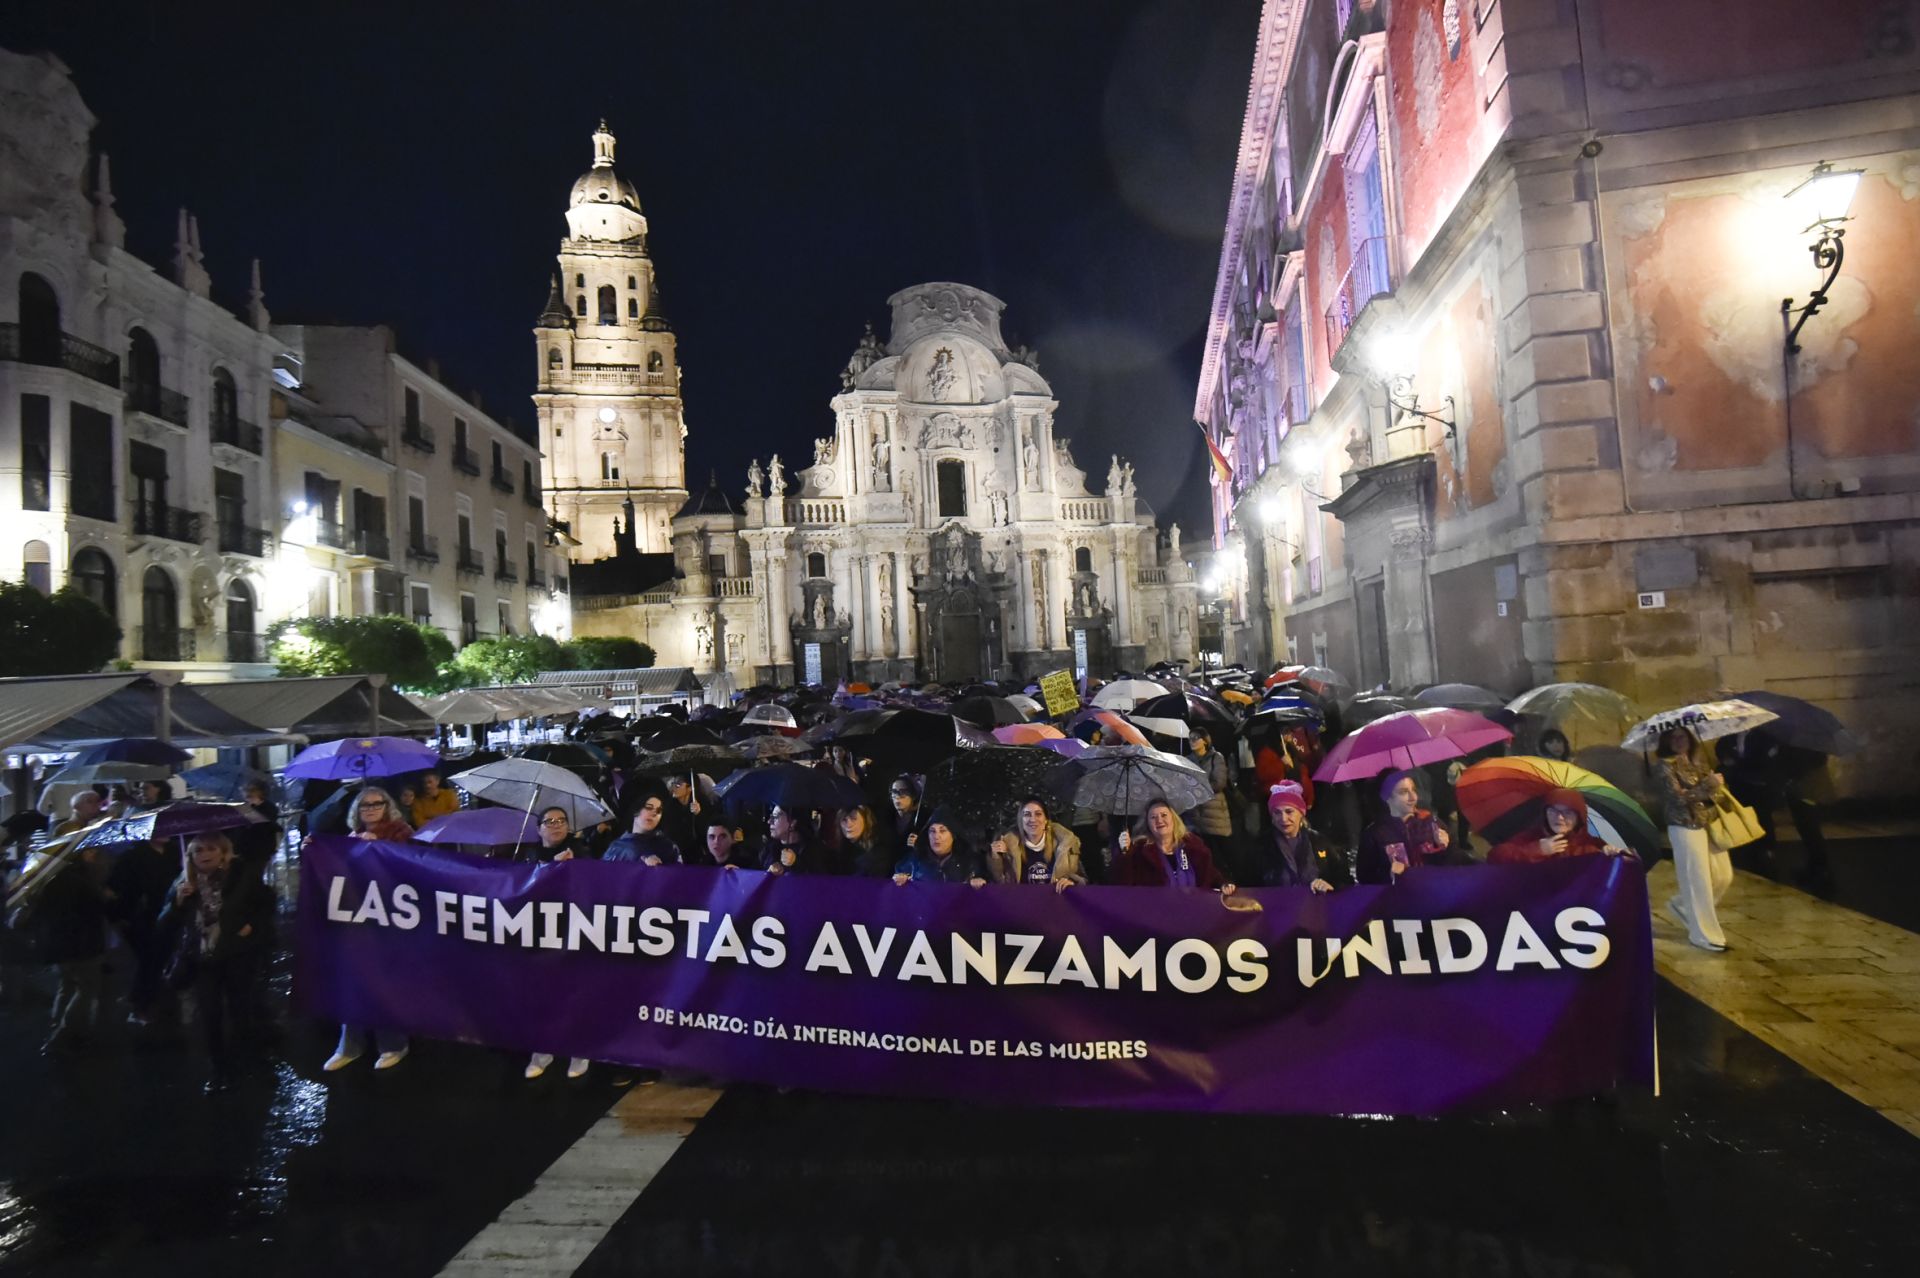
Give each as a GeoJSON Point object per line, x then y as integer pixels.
{"type": "Point", "coordinates": [1504, 796]}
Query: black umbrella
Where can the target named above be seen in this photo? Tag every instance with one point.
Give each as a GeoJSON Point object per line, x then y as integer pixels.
{"type": "Point", "coordinates": [668, 736]}
{"type": "Point", "coordinates": [1194, 710]}
{"type": "Point", "coordinates": [909, 739]}
{"type": "Point", "coordinates": [988, 711]}
{"type": "Point", "coordinates": [1801, 724]}
{"type": "Point", "coordinates": [981, 786]}
{"type": "Point", "coordinates": [791, 786]}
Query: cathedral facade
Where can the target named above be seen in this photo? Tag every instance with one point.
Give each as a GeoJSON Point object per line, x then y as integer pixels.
{"type": "Point", "coordinates": [942, 532]}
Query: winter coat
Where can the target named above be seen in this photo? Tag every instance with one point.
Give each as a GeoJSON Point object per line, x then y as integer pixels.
{"type": "Point", "coordinates": [1416, 837]}
{"type": "Point", "coordinates": [67, 915]}
{"type": "Point", "coordinates": [1062, 850]}
{"type": "Point", "coordinates": [638, 847]}
{"type": "Point", "coordinates": [1144, 865]}
{"type": "Point", "coordinates": [1313, 859]}
{"type": "Point", "coordinates": [1687, 792]}
{"type": "Point", "coordinates": [809, 858]}
{"type": "Point", "coordinates": [245, 906]}
{"type": "Point", "coordinates": [962, 865]}
{"type": "Point", "coordinates": [1212, 817]}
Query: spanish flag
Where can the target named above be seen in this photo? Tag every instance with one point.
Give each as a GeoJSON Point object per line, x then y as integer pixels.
{"type": "Point", "coordinates": [1222, 469]}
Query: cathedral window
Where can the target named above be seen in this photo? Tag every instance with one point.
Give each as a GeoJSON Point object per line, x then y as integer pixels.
{"type": "Point", "coordinates": [579, 281]}
{"type": "Point", "coordinates": [1083, 559]}
{"type": "Point", "coordinates": [609, 305]}
{"type": "Point", "coordinates": [953, 488]}
{"type": "Point", "coordinates": [554, 359]}
{"type": "Point", "coordinates": [816, 564]}
{"type": "Point", "coordinates": [609, 468]}
{"type": "Point", "coordinates": [580, 305]}
{"type": "Point", "coordinates": [633, 308]}
{"type": "Point", "coordinates": [632, 282]}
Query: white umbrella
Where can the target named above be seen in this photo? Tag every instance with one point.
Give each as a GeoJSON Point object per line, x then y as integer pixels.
{"type": "Point", "coordinates": [1125, 694]}
{"type": "Point", "coordinates": [772, 716]}
{"type": "Point", "coordinates": [1707, 720]}
{"type": "Point", "coordinates": [1027, 705]}
{"type": "Point", "coordinates": [530, 786]}
{"type": "Point", "coordinates": [1163, 727]}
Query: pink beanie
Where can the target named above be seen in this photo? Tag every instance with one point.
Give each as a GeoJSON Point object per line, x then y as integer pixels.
{"type": "Point", "coordinates": [1287, 794]}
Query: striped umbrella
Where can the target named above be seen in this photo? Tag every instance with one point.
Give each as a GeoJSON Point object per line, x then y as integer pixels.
{"type": "Point", "coordinates": [1504, 796]}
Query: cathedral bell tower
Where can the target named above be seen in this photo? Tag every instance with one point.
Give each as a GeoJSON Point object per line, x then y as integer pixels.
{"type": "Point", "coordinates": [608, 401]}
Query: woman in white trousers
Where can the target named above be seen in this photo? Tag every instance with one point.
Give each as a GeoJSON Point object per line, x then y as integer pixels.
{"type": "Point", "coordinates": [1703, 871]}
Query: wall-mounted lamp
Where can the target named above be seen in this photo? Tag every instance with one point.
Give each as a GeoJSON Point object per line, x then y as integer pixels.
{"type": "Point", "coordinates": [1820, 203]}
{"type": "Point", "coordinates": [1394, 356]}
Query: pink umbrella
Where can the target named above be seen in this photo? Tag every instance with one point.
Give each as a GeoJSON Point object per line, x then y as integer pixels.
{"type": "Point", "coordinates": [1407, 740]}
{"type": "Point", "coordinates": [1027, 733]}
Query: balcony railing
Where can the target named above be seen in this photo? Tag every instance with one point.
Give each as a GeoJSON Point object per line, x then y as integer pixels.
{"type": "Point", "coordinates": [157, 401]}
{"type": "Point", "coordinates": [736, 587]}
{"type": "Point", "coordinates": [530, 493]}
{"type": "Point", "coordinates": [1366, 279]}
{"type": "Point", "coordinates": [154, 644]}
{"type": "Point", "coordinates": [157, 519]}
{"type": "Point", "coordinates": [816, 512]}
{"type": "Point", "coordinates": [536, 580]}
{"type": "Point", "coordinates": [505, 571]}
{"type": "Point", "coordinates": [246, 647]}
{"type": "Point", "coordinates": [330, 533]}
{"type": "Point", "coordinates": [1152, 576]}
{"type": "Point", "coordinates": [417, 434]}
{"type": "Point", "coordinates": [371, 543]}
{"type": "Point", "coordinates": [62, 350]}
{"type": "Point", "coordinates": [503, 479]}
{"type": "Point", "coordinates": [466, 460]}
{"type": "Point", "coordinates": [238, 539]}
{"type": "Point", "coordinates": [238, 434]}
{"type": "Point", "coordinates": [423, 547]}
{"type": "Point", "coordinates": [470, 562]}
{"type": "Point", "coordinates": [1085, 510]}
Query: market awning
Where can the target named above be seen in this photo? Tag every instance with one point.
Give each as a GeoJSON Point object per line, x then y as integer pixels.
{"type": "Point", "coordinates": [131, 706]}
{"type": "Point", "coordinates": [327, 706]}
{"type": "Point", "coordinates": [30, 706]}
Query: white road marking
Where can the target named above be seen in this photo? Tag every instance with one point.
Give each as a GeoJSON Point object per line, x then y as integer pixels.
{"type": "Point", "coordinates": [551, 1231]}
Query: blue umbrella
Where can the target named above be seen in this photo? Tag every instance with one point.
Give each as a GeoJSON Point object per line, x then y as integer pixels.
{"type": "Point", "coordinates": [133, 750]}
{"type": "Point", "coordinates": [482, 828]}
{"type": "Point", "coordinates": [357, 757]}
{"type": "Point", "coordinates": [791, 786]}
{"type": "Point", "coordinates": [228, 781]}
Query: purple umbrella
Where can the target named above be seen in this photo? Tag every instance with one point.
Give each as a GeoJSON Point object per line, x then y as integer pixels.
{"type": "Point", "coordinates": [481, 828]}
{"type": "Point", "coordinates": [172, 821]}
{"type": "Point", "coordinates": [1067, 747]}
{"type": "Point", "coordinates": [1408, 740]}
{"type": "Point", "coordinates": [358, 757]}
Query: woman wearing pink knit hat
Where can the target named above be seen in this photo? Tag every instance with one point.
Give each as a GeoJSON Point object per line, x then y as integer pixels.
{"type": "Point", "coordinates": [1294, 855]}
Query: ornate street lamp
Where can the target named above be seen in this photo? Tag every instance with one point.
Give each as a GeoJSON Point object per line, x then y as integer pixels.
{"type": "Point", "coordinates": [1394, 357]}
{"type": "Point", "coordinates": [1825, 200]}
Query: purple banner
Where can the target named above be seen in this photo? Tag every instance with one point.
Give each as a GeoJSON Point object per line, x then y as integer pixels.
{"type": "Point", "coordinates": [1481, 986]}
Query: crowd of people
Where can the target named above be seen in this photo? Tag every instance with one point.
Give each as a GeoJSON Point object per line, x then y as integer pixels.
{"type": "Point", "coordinates": [197, 916]}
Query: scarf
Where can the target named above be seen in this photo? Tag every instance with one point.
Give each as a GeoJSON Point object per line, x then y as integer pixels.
{"type": "Point", "coordinates": [1297, 853]}
{"type": "Point", "coordinates": [207, 895]}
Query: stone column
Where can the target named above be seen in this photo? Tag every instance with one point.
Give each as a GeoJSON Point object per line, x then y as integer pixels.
{"type": "Point", "coordinates": [778, 600]}
{"type": "Point", "coordinates": [902, 642]}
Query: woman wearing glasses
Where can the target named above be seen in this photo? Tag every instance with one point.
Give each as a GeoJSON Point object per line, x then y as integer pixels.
{"type": "Point", "coordinates": [375, 817]}
{"type": "Point", "coordinates": [556, 844]}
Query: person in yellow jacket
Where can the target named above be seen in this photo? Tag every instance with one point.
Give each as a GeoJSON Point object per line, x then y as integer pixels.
{"type": "Point", "coordinates": [432, 800]}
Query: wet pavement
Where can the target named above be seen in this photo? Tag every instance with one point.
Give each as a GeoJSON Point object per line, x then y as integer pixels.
{"type": "Point", "coordinates": [111, 1162]}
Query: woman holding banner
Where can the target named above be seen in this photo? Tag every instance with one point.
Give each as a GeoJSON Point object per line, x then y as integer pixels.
{"type": "Point", "coordinates": [1405, 837]}
{"type": "Point", "coordinates": [1166, 854]}
{"type": "Point", "coordinates": [1037, 850]}
{"type": "Point", "coordinates": [941, 857]}
{"type": "Point", "coordinates": [373, 816]}
{"type": "Point", "coordinates": [864, 847]}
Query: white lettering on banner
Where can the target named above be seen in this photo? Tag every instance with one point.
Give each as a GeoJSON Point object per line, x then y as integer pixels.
{"type": "Point", "coordinates": [1189, 965]}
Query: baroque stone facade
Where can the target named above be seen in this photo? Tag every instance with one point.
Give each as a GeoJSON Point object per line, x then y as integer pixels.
{"type": "Point", "coordinates": [943, 531]}
{"type": "Point", "coordinates": [1496, 353]}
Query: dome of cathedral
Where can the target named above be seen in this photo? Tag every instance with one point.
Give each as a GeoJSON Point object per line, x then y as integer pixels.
{"type": "Point", "coordinates": [600, 184]}
{"type": "Point", "coordinates": [949, 368]}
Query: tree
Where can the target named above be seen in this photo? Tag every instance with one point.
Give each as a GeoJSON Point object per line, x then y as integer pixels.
{"type": "Point", "coordinates": [62, 633]}
{"type": "Point", "coordinates": [506, 659]}
{"type": "Point", "coordinates": [409, 655]}
{"type": "Point", "coordinates": [608, 652]}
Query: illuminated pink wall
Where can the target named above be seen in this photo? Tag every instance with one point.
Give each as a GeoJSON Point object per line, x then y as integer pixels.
{"type": "Point", "coordinates": [1437, 116]}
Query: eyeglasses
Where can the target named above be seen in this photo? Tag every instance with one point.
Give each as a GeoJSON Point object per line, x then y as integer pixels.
{"type": "Point", "coordinates": [372, 803]}
{"type": "Point", "coordinates": [553, 820]}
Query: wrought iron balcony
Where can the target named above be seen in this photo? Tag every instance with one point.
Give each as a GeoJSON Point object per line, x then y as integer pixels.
{"type": "Point", "coordinates": [238, 539]}
{"type": "Point", "coordinates": [157, 401]}
{"type": "Point", "coordinates": [246, 647]}
{"type": "Point", "coordinates": [470, 562]}
{"type": "Point", "coordinates": [330, 533]}
{"type": "Point", "coordinates": [1366, 278]}
{"type": "Point", "coordinates": [503, 479]}
{"type": "Point", "coordinates": [155, 644]}
{"type": "Point", "coordinates": [157, 519]}
{"type": "Point", "coordinates": [239, 434]}
{"type": "Point", "coordinates": [536, 580]}
{"type": "Point", "coordinates": [60, 350]}
{"type": "Point", "coordinates": [466, 460]}
{"type": "Point", "coordinates": [423, 547]}
{"type": "Point", "coordinates": [415, 433]}
{"type": "Point", "coordinates": [505, 571]}
{"type": "Point", "coordinates": [371, 543]}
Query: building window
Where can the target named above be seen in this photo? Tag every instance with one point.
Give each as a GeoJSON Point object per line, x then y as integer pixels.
{"type": "Point", "coordinates": [505, 616]}
{"type": "Point", "coordinates": [580, 306]}
{"type": "Point", "coordinates": [422, 605]}
{"type": "Point", "coordinates": [239, 615]}
{"type": "Point", "coordinates": [609, 305]}
{"type": "Point", "coordinates": [159, 617]}
{"type": "Point", "coordinates": [655, 361]}
{"type": "Point", "coordinates": [39, 321]}
{"type": "Point", "coordinates": [37, 558]}
{"type": "Point", "coordinates": [816, 564]}
{"type": "Point", "coordinates": [93, 575]}
{"type": "Point", "coordinates": [229, 505]}
{"type": "Point", "coordinates": [459, 437]}
{"type": "Point", "coordinates": [36, 452]}
{"type": "Point", "coordinates": [717, 565]}
{"type": "Point", "coordinates": [143, 367]}
{"type": "Point", "coordinates": [632, 282]}
{"type": "Point", "coordinates": [416, 522]}
{"type": "Point", "coordinates": [952, 477]}
{"type": "Point", "coordinates": [553, 357]}
{"type": "Point", "coordinates": [609, 468]}
{"type": "Point", "coordinates": [633, 308]}
{"type": "Point", "coordinates": [225, 409]}
{"type": "Point", "coordinates": [469, 620]}
{"type": "Point", "coordinates": [1083, 559]}
{"type": "Point", "coordinates": [580, 281]}
{"type": "Point", "coordinates": [90, 453]}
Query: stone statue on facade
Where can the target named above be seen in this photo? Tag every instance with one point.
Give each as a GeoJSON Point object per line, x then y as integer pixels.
{"type": "Point", "coordinates": [882, 455]}
{"type": "Point", "coordinates": [997, 503]}
{"type": "Point", "coordinates": [1113, 474]}
{"type": "Point", "coordinates": [1126, 480]}
{"type": "Point", "coordinates": [886, 599]}
{"type": "Point", "coordinates": [1039, 574]}
{"type": "Point", "coordinates": [776, 478]}
{"type": "Point", "coordinates": [820, 611]}
{"type": "Point", "coordinates": [956, 559]}
{"type": "Point", "coordinates": [1030, 461]}
{"type": "Point", "coordinates": [1028, 356]}
{"type": "Point", "coordinates": [703, 639]}
{"type": "Point", "coordinates": [756, 480]}
{"type": "Point", "coordinates": [865, 356]}
{"type": "Point", "coordinates": [1173, 540]}
{"type": "Point", "coordinates": [941, 373]}
{"type": "Point", "coordinates": [823, 451]}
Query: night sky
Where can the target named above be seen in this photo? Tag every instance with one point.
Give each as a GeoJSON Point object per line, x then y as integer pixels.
{"type": "Point", "coordinates": [797, 163]}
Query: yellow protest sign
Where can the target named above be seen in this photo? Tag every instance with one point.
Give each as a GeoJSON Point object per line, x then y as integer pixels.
{"type": "Point", "coordinates": [1058, 692]}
